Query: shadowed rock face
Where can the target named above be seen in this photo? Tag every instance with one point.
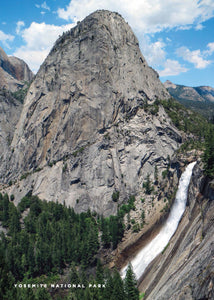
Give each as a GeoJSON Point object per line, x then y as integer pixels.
{"type": "Point", "coordinates": [10, 110]}
{"type": "Point", "coordinates": [13, 72]}
{"type": "Point", "coordinates": [83, 114]}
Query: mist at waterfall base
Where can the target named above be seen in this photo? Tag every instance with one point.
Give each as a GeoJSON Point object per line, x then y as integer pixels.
{"type": "Point", "coordinates": [157, 245]}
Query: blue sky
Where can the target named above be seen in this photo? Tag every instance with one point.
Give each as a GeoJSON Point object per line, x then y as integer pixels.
{"type": "Point", "coordinates": [175, 36]}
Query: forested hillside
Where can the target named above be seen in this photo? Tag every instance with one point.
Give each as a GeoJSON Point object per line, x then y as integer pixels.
{"type": "Point", "coordinates": [44, 238]}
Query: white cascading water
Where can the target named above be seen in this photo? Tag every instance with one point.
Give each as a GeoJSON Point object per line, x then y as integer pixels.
{"type": "Point", "coordinates": [157, 245]}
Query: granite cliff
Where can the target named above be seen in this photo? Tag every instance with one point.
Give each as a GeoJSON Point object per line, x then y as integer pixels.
{"type": "Point", "coordinates": [14, 78]}
{"type": "Point", "coordinates": [84, 120]}
{"type": "Point", "coordinates": [10, 110]}
{"type": "Point", "coordinates": [14, 72]}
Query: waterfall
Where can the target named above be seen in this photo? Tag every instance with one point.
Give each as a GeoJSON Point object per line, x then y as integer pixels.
{"type": "Point", "coordinates": [157, 245]}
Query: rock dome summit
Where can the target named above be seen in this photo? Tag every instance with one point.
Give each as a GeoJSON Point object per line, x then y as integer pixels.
{"type": "Point", "coordinates": [83, 122]}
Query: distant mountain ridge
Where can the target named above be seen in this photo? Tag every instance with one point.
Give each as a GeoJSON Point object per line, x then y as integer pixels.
{"type": "Point", "coordinates": [181, 92]}
{"type": "Point", "coordinates": [206, 92]}
{"type": "Point", "coordinates": [200, 99]}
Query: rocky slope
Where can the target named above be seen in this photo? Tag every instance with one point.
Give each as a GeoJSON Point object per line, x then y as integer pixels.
{"type": "Point", "coordinates": [13, 72]}
{"type": "Point", "coordinates": [83, 123]}
{"type": "Point", "coordinates": [199, 99]}
{"type": "Point", "coordinates": [185, 269]}
{"type": "Point", "coordinates": [181, 92]}
{"type": "Point", "coordinates": [206, 92]}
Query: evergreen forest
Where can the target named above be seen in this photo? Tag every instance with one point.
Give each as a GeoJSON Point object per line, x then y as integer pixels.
{"type": "Point", "coordinates": [44, 239]}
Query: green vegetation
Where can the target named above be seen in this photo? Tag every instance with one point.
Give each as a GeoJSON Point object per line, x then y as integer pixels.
{"type": "Point", "coordinates": [112, 287]}
{"type": "Point", "coordinates": [185, 119]}
{"type": "Point", "coordinates": [142, 295]}
{"type": "Point", "coordinates": [148, 186]}
{"type": "Point", "coordinates": [21, 93]}
{"type": "Point", "coordinates": [196, 124]}
{"type": "Point", "coordinates": [143, 216]}
{"type": "Point", "coordinates": [126, 208]}
{"type": "Point", "coordinates": [112, 231]}
{"type": "Point", "coordinates": [130, 283]}
{"type": "Point", "coordinates": [206, 109]}
{"type": "Point", "coordinates": [52, 163]}
{"type": "Point", "coordinates": [25, 175]}
{"type": "Point", "coordinates": [52, 237]}
{"type": "Point", "coordinates": [208, 156]}
{"type": "Point", "coordinates": [152, 109]}
{"type": "Point", "coordinates": [165, 173]}
{"type": "Point", "coordinates": [165, 248]}
{"type": "Point", "coordinates": [136, 227]}
{"type": "Point", "coordinates": [191, 144]}
{"type": "Point", "coordinates": [115, 196]}
{"type": "Point", "coordinates": [80, 150]}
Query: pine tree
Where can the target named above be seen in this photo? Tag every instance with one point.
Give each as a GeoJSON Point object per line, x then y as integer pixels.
{"type": "Point", "coordinates": [74, 278]}
{"type": "Point", "coordinates": [5, 214]}
{"type": "Point", "coordinates": [105, 233]}
{"type": "Point", "coordinates": [99, 272]}
{"type": "Point", "coordinates": [147, 185]}
{"type": "Point", "coordinates": [109, 286]}
{"type": "Point", "coordinates": [14, 223]}
{"type": "Point", "coordinates": [208, 156]}
{"type": "Point", "coordinates": [118, 289]}
{"type": "Point", "coordinates": [130, 284]}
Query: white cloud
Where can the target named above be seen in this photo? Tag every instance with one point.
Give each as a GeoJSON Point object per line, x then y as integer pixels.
{"type": "Point", "coordinates": [195, 57]}
{"type": "Point", "coordinates": [43, 6]}
{"type": "Point", "coordinates": [210, 50]}
{"type": "Point", "coordinates": [172, 68]}
{"type": "Point", "coordinates": [5, 38]}
{"type": "Point", "coordinates": [148, 16]}
{"type": "Point", "coordinates": [199, 27]}
{"type": "Point", "coordinates": [38, 38]}
{"type": "Point", "coordinates": [154, 52]}
{"type": "Point", "coordinates": [145, 17]}
{"type": "Point", "coordinates": [19, 25]}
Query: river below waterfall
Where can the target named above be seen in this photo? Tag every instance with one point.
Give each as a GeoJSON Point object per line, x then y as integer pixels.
{"type": "Point", "coordinates": [157, 245]}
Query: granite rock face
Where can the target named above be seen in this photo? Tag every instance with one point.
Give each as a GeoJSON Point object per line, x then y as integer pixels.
{"type": "Point", "coordinates": [10, 110]}
{"type": "Point", "coordinates": [84, 131]}
{"type": "Point", "coordinates": [13, 72]}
